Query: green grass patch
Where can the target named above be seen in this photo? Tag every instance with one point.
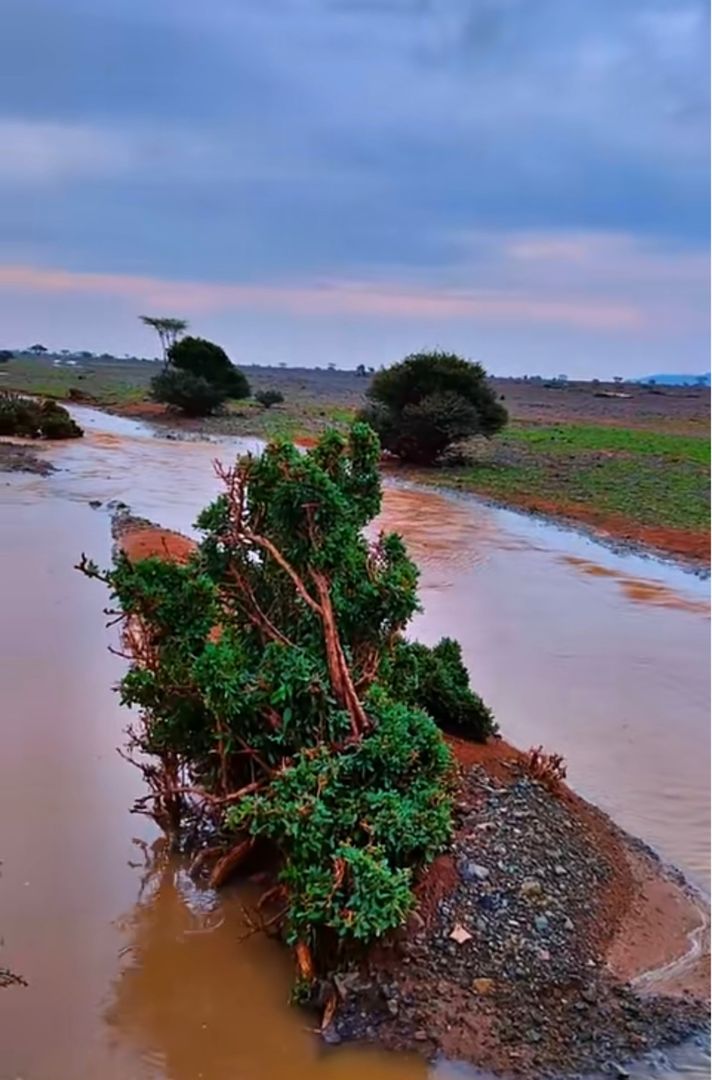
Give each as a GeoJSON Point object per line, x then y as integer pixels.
{"type": "Point", "coordinates": [649, 478]}
{"type": "Point", "coordinates": [575, 438]}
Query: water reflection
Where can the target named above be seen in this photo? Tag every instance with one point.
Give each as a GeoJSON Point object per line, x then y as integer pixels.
{"type": "Point", "coordinates": [198, 999]}
{"type": "Point", "coordinates": [601, 657]}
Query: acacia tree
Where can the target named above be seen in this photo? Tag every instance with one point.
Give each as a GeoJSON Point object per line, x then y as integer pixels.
{"type": "Point", "coordinates": [169, 330]}
{"type": "Point", "coordinates": [281, 705]}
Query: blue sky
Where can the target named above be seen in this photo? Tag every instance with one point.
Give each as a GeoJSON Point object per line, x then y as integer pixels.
{"type": "Point", "coordinates": [312, 181]}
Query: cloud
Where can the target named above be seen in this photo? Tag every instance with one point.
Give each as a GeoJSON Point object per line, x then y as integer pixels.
{"type": "Point", "coordinates": [35, 152]}
{"type": "Point", "coordinates": [500, 160]}
{"type": "Point", "coordinates": [333, 298]}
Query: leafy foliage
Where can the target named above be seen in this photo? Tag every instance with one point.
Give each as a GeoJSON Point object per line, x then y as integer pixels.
{"type": "Point", "coordinates": [280, 703]}
{"type": "Point", "coordinates": [33, 419]}
{"type": "Point", "coordinates": [429, 401]}
{"type": "Point", "coordinates": [437, 680]}
{"type": "Point", "coordinates": [268, 398]}
{"type": "Point", "coordinates": [206, 360]}
{"type": "Point", "coordinates": [193, 394]}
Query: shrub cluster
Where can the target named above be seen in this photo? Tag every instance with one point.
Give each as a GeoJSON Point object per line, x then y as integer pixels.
{"type": "Point", "coordinates": [268, 398]}
{"type": "Point", "coordinates": [198, 378]}
{"type": "Point", "coordinates": [280, 702]}
{"type": "Point", "coordinates": [429, 401]}
{"type": "Point", "coordinates": [35, 419]}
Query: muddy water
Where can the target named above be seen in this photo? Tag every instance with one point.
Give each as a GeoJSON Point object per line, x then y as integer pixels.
{"type": "Point", "coordinates": [134, 973]}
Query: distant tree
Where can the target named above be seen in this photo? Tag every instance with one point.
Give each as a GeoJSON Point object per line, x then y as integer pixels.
{"type": "Point", "coordinates": [268, 398]}
{"type": "Point", "coordinates": [38, 350]}
{"type": "Point", "coordinates": [190, 393]}
{"type": "Point", "coordinates": [617, 378]}
{"type": "Point", "coordinates": [361, 370]}
{"type": "Point", "coordinates": [206, 360]}
{"type": "Point", "coordinates": [5, 355]}
{"type": "Point", "coordinates": [371, 370]}
{"type": "Point", "coordinates": [562, 378]}
{"type": "Point", "coordinates": [331, 367]}
{"type": "Point", "coordinates": [429, 401]}
{"type": "Point", "coordinates": [168, 330]}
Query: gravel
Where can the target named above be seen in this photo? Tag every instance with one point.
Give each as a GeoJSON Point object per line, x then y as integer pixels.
{"type": "Point", "coordinates": [521, 983]}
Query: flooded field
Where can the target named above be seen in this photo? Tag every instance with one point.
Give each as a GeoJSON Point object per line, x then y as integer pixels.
{"type": "Point", "coordinates": [135, 973]}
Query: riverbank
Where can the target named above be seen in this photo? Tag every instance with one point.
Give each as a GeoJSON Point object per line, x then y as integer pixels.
{"type": "Point", "coordinates": [546, 942]}
{"type": "Point", "coordinates": [631, 470]}
{"type": "Point", "coordinates": [19, 457]}
{"type": "Point", "coordinates": [558, 942]}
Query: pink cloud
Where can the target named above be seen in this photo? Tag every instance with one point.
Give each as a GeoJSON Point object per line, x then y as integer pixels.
{"type": "Point", "coordinates": [386, 300]}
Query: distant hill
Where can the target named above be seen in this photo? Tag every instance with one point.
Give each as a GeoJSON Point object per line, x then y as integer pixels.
{"type": "Point", "coordinates": [673, 379]}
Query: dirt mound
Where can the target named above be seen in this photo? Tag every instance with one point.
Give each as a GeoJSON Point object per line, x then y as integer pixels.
{"type": "Point", "coordinates": [520, 957]}
{"type": "Point", "coordinates": [140, 539]}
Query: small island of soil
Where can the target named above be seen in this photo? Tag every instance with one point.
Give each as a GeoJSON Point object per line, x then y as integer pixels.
{"type": "Point", "coordinates": [546, 941]}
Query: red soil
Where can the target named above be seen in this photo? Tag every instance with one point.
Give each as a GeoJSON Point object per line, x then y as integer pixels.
{"type": "Point", "coordinates": [140, 542]}
{"type": "Point", "coordinates": [149, 410]}
{"type": "Point", "coordinates": [689, 545]}
{"type": "Point", "coordinates": [644, 918]}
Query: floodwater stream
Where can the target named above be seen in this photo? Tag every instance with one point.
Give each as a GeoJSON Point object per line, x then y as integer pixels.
{"type": "Point", "coordinates": [134, 973]}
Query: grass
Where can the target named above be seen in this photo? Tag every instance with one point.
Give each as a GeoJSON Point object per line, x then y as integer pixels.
{"type": "Point", "coordinates": [650, 479]}
{"type": "Point", "coordinates": [116, 384]}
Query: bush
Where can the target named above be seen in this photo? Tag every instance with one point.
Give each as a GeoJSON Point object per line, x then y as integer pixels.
{"type": "Point", "coordinates": [56, 423]}
{"type": "Point", "coordinates": [436, 680]}
{"type": "Point", "coordinates": [429, 401]}
{"type": "Point", "coordinates": [208, 361]}
{"type": "Point", "coordinates": [268, 398]}
{"type": "Point", "coordinates": [274, 686]}
{"type": "Point", "coordinates": [34, 419]}
{"type": "Point", "coordinates": [194, 395]}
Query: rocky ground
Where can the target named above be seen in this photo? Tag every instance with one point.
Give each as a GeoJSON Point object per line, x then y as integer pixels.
{"type": "Point", "coordinates": [504, 963]}
{"type": "Point", "coordinates": [14, 458]}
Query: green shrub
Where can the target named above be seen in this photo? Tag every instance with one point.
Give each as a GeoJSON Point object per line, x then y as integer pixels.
{"type": "Point", "coordinates": [192, 394]}
{"type": "Point", "coordinates": [436, 680]}
{"type": "Point", "coordinates": [429, 401]}
{"type": "Point", "coordinates": [268, 398]}
{"type": "Point", "coordinates": [208, 361]}
{"type": "Point", "coordinates": [274, 686]}
{"type": "Point", "coordinates": [33, 419]}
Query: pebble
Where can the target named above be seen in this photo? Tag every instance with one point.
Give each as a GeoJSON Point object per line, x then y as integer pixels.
{"type": "Point", "coordinates": [520, 923]}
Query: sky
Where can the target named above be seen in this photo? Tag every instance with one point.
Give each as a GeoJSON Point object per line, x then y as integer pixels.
{"type": "Point", "coordinates": [524, 182]}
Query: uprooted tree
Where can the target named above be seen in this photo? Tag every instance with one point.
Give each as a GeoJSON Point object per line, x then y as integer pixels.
{"type": "Point", "coordinates": [280, 704]}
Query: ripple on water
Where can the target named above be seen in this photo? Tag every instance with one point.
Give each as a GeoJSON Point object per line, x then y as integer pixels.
{"type": "Point", "coordinates": [133, 970]}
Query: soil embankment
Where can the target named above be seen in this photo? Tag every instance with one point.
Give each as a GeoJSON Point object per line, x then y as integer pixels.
{"type": "Point", "coordinates": [546, 940]}
{"type": "Point", "coordinates": [538, 939]}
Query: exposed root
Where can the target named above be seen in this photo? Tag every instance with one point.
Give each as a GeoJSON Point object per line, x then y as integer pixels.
{"type": "Point", "coordinates": [227, 865]}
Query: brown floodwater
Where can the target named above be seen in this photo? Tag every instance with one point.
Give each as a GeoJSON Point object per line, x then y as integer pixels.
{"type": "Point", "coordinates": [135, 973]}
